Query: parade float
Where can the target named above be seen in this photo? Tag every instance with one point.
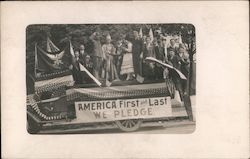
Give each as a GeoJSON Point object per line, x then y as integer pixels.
{"type": "Point", "coordinates": [59, 105]}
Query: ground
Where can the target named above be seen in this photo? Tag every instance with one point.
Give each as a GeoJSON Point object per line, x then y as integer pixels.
{"type": "Point", "coordinates": [163, 127]}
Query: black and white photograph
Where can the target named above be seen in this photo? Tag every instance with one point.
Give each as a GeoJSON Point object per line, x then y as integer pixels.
{"type": "Point", "coordinates": [124, 79]}
{"type": "Point", "coordinates": [111, 78]}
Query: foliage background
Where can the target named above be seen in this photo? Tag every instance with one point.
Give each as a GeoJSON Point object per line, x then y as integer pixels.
{"type": "Point", "coordinates": [79, 34]}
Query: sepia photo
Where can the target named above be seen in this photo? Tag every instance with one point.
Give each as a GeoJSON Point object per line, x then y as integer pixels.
{"type": "Point", "coordinates": [124, 79]}
{"type": "Point", "coordinates": [90, 78]}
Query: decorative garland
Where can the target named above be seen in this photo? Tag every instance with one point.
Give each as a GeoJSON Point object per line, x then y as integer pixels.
{"type": "Point", "coordinates": [35, 107]}
{"type": "Point", "coordinates": [44, 116]}
{"type": "Point", "coordinates": [52, 86]}
{"type": "Point", "coordinates": [115, 94]}
{"type": "Point", "coordinates": [53, 75]}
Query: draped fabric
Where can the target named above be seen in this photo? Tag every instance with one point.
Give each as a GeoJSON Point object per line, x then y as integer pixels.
{"type": "Point", "coordinates": [52, 68]}
{"type": "Point", "coordinates": [50, 84]}
{"type": "Point", "coordinates": [51, 47]}
{"type": "Point", "coordinates": [170, 86]}
{"type": "Point", "coordinates": [52, 62]}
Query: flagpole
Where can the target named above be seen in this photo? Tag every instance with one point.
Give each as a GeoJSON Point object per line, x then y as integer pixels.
{"type": "Point", "coordinates": [82, 68]}
{"type": "Point", "coordinates": [182, 76]}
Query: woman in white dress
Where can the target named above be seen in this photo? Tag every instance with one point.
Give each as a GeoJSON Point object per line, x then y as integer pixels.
{"type": "Point", "coordinates": [127, 62]}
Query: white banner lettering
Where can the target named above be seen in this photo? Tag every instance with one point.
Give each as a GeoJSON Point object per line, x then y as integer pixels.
{"type": "Point", "coordinates": [111, 110]}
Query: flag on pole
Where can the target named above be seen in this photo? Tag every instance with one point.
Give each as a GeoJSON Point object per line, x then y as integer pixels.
{"type": "Point", "coordinates": [82, 68]}
{"type": "Point", "coordinates": [47, 62]}
{"type": "Point", "coordinates": [151, 35]}
{"type": "Point", "coordinates": [140, 33]}
{"type": "Point", "coordinates": [181, 75]}
{"type": "Point", "coordinates": [51, 47]}
{"type": "Point", "coordinates": [51, 69]}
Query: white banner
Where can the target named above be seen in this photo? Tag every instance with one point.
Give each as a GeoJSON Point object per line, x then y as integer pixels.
{"type": "Point", "coordinates": [111, 110]}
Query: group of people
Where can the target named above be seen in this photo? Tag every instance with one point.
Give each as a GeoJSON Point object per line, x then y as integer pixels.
{"type": "Point", "coordinates": [115, 59]}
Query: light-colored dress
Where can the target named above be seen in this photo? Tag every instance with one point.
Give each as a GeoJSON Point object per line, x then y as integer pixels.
{"type": "Point", "coordinates": [109, 52]}
{"type": "Point", "coordinates": [127, 62]}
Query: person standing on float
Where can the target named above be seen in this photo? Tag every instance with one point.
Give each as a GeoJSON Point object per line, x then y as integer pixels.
{"type": "Point", "coordinates": [137, 45]}
{"type": "Point", "coordinates": [97, 55]}
{"type": "Point", "coordinates": [109, 53]}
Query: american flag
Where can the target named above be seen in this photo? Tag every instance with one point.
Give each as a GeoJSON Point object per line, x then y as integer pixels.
{"type": "Point", "coordinates": [51, 47]}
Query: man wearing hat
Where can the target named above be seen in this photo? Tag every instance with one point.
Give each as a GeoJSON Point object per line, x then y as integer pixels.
{"type": "Point", "coordinates": [97, 54]}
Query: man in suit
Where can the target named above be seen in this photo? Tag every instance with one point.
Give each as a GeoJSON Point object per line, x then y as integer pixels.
{"type": "Point", "coordinates": [181, 62]}
{"type": "Point", "coordinates": [88, 64]}
{"type": "Point", "coordinates": [76, 60]}
{"type": "Point", "coordinates": [173, 46]}
{"type": "Point", "coordinates": [82, 52]}
{"type": "Point", "coordinates": [148, 51]}
{"type": "Point", "coordinates": [97, 55]}
{"type": "Point", "coordinates": [159, 55]}
{"type": "Point", "coordinates": [136, 51]}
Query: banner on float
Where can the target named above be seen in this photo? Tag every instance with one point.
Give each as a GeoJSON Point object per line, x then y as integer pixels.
{"type": "Point", "coordinates": [111, 110]}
